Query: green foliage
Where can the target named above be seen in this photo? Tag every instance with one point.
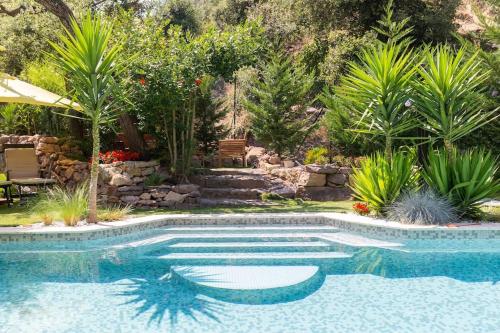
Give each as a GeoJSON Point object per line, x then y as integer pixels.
{"type": "Point", "coordinates": [209, 128]}
{"type": "Point", "coordinates": [183, 13]}
{"type": "Point", "coordinates": [154, 179]}
{"type": "Point", "coordinates": [448, 94]}
{"type": "Point", "coordinates": [338, 121]}
{"type": "Point", "coordinates": [376, 90]}
{"type": "Point", "coordinates": [9, 119]}
{"type": "Point", "coordinates": [379, 182]}
{"type": "Point", "coordinates": [278, 104]}
{"type": "Point", "coordinates": [269, 196]}
{"type": "Point", "coordinates": [464, 177]}
{"type": "Point", "coordinates": [70, 206]}
{"type": "Point", "coordinates": [316, 155]}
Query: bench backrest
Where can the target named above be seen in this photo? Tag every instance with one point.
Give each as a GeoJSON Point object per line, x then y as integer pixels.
{"type": "Point", "coordinates": [232, 147]}
{"type": "Point", "coordinates": [21, 163]}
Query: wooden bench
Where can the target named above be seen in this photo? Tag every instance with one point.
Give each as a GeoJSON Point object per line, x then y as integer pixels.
{"type": "Point", "coordinates": [232, 148]}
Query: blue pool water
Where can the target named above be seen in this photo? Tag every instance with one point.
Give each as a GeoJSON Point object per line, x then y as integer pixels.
{"type": "Point", "coordinates": [121, 286]}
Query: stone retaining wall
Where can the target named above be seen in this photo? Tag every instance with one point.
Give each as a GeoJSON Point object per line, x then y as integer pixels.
{"type": "Point", "coordinates": [123, 183]}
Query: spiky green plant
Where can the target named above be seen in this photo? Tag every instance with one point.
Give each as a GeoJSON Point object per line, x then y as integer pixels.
{"type": "Point", "coordinates": [377, 89]}
{"type": "Point", "coordinates": [91, 65]}
{"type": "Point", "coordinates": [448, 94]}
{"type": "Point", "coordinates": [464, 177]}
{"type": "Point", "coordinates": [379, 181]}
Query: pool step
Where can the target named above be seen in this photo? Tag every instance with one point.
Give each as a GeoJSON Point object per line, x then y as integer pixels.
{"type": "Point", "coordinates": [249, 257]}
{"type": "Point", "coordinates": [251, 230]}
{"type": "Point", "coordinates": [256, 246]}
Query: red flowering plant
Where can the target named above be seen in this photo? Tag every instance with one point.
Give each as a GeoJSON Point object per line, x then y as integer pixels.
{"type": "Point", "coordinates": [361, 208]}
{"type": "Point", "coordinates": [118, 156]}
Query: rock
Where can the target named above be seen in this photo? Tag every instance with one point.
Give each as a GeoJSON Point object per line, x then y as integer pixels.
{"type": "Point", "coordinates": [147, 171]}
{"type": "Point", "coordinates": [129, 199]}
{"type": "Point", "coordinates": [149, 203]}
{"type": "Point", "coordinates": [158, 195]}
{"type": "Point", "coordinates": [253, 155]}
{"type": "Point", "coordinates": [174, 197]}
{"type": "Point", "coordinates": [48, 148]}
{"type": "Point", "coordinates": [138, 180]}
{"type": "Point", "coordinates": [345, 170]}
{"type": "Point", "coordinates": [194, 194]}
{"type": "Point", "coordinates": [78, 177]}
{"type": "Point", "coordinates": [132, 188]}
{"type": "Point", "coordinates": [146, 164]}
{"type": "Point", "coordinates": [288, 164]}
{"type": "Point", "coordinates": [324, 193]}
{"type": "Point", "coordinates": [185, 188]}
{"type": "Point", "coordinates": [275, 160]}
{"type": "Point", "coordinates": [134, 172]}
{"type": "Point", "coordinates": [48, 139]}
{"type": "Point", "coordinates": [120, 180]}
{"type": "Point", "coordinates": [269, 167]}
{"type": "Point", "coordinates": [336, 179]}
{"type": "Point", "coordinates": [145, 196]}
{"type": "Point", "coordinates": [69, 172]}
{"type": "Point", "coordinates": [326, 169]}
{"type": "Point", "coordinates": [308, 179]}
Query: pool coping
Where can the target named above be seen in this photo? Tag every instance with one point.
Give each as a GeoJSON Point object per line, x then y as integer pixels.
{"type": "Point", "coordinates": [348, 222]}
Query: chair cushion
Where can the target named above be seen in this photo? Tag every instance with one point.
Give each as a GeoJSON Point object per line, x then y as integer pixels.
{"type": "Point", "coordinates": [21, 163]}
{"type": "Point", "coordinates": [33, 181]}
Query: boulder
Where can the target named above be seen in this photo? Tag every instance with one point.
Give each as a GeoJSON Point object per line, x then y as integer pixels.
{"type": "Point", "coordinates": [345, 170]}
{"type": "Point", "coordinates": [174, 197]}
{"type": "Point", "coordinates": [149, 203]}
{"type": "Point", "coordinates": [275, 159]}
{"type": "Point", "coordinates": [308, 179]}
{"type": "Point", "coordinates": [146, 164]}
{"type": "Point", "coordinates": [131, 188]}
{"type": "Point", "coordinates": [326, 169]}
{"type": "Point", "coordinates": [147, 171]}
{"type": "Point", "coordinates": [253, 155]}
{"type": "Point", "coordinates": [336, 179]}
{"type": "Point", "coordinates": [120, 180]}
{"type": "Point", "coordinates": [158, 195]}
{"type": "Point", "coordinates": [48, 139]}
{"type": "Point", "coordinates": [145, 196]}
{"type": "Point", "coordinates": [130, 199]}
{"type": "Point", "coordinates": [185, 188]}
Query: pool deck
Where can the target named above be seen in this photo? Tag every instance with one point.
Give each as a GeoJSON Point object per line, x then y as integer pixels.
{"type": "Point", "coordinates": [345, 222]}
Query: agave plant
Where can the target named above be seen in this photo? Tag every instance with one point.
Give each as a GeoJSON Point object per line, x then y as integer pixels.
{"type": "Point", "coordinates": [465, 178]}
{"type": "Point", "coordinates": [91, 66]}
{"type": "Point", "coordinates": [380, 181]}
{"type": "Point", "coordinates": [377, 89]}
{"type": "Point", "coordinates": [448, 94]}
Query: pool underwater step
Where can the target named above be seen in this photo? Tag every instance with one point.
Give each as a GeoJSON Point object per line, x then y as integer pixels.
{"type": "Point", "coordinates": [256, 246]}
{"type": "Point", "coordinates": [249, 258]}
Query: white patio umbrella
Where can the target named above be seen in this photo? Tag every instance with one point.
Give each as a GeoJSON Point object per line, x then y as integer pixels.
{"type": "Point", "coordinates": [13, 90]}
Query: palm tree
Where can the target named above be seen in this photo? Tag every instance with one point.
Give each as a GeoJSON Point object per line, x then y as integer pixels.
{"type": "Point", "coordinates": [91, 66]}
{"type": "Point", "coordinates": [376, 91]}
{"type": "Point", "coordinates": [448, 94]}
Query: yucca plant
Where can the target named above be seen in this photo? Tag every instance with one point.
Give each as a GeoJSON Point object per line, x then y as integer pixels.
{"type": "Point", "coordinates": [379, 181]}
{"type": "Point", "coordinates": [377, 89]}
{"type": "Point", "coordinates": [465, 178]}
{"type": "Point", "coordinates": [448, 94]}
{"type": "Point", "coordinates": [91, 66]}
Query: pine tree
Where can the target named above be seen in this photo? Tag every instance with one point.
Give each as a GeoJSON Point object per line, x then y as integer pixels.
{"type": "Point", "coordinates": [278, 103]}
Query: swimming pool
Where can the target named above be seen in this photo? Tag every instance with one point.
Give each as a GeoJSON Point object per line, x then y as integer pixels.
{"type": "Point", "coordinates": [259, 279]}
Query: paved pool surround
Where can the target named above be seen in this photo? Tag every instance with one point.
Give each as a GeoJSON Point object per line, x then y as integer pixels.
{"type": "Point", "coordinates": [348, 222]}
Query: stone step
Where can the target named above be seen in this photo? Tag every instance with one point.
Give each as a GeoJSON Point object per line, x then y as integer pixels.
{"type": "Point", "coordinates": [314, 246]}
{"type": "Point", "coordinates": [232, 193]}
{"type": "Point", "coordinates": [233, 181]}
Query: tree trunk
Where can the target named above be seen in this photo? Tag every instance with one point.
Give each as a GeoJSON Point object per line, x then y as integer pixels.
{"type": "Point", "coordinates": [94, 174]}
{"type": "Point", "coordinates": [60, 9]}
{"type": "Point", "coordinates": [134, 139]}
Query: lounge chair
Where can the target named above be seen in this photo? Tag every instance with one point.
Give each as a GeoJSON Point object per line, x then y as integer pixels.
{"type": "Point", "coordinates": [23, 169]}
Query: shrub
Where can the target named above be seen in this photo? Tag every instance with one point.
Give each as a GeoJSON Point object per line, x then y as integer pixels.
{"type": "Point", "coordinates": [464, 177]}
{"type": "Point", "coordinates": [71, 206]}
{"type": "Point", "coordinates": [317, 155]}
{"type": "Point", "coordinates": [423, 207]}
{"type": "Point", "coordinates": [119, 156]}
{"type": "Point", "coordinates": [45, 209]}
{"type": "Point", "coordinates": [379, 181]}
{"type": "Point", "coordinates": [113, 213]}
{"type": "Point", "coordinates": [154, 179]}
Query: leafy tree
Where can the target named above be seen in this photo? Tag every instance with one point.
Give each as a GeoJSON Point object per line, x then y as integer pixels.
{"type": "Point", "coordinates": [278, 105]}
{"type": "Point", "coordinates": [184, 14]}
{"type": "Point", "coordinates": [91, 67]}
{"type": "Point", "coordinates": [210, 113]}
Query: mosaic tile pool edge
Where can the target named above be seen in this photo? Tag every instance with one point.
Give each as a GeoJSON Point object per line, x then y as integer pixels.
{"type": "Point", "coordinates": [343, 223]}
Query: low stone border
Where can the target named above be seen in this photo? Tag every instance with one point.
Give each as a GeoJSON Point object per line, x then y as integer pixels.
{"type": "Point", "coordinates": [348, 222]}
